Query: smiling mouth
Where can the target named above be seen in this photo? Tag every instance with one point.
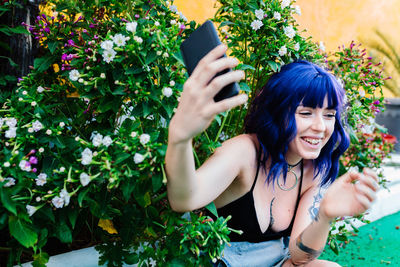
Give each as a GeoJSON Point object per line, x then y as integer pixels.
{"type": "Point", "coordinates": [312, 141]}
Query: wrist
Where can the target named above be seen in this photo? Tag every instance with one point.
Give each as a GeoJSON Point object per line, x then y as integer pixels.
{"type": "Point", "coordinates": [176, 135]}
{"type": "Point", "coordinates": [324, 215]}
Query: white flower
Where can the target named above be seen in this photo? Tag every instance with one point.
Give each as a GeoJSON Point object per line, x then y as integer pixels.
{"type": "Point", "coordinates": [62, 124]}
{"type": "Point", "coordinates": [58, 202]}
{"type": "Point", "coordinates": [74, 75]}
{"type": "Point", "coordinates": [173, 22]}
{"type": "Point", "coordinates": [41, 150]}
{"type": "Point", "coordinates": [144, 138]}
{"type": "Point", "coordinates": [97, 140]}
{"type": "Point", "coordinates": [38, 199]}
{"type": "Point", "coordinates": [289, 31]}
{"type": "Point", "coordinates": [172, 83]}
{"type": "Point", "coordinates": [109, 55]}
{"type": "Point", "coordinates": [6, 164]}
{"type": "Point", "coordinates": [131, 26]}
{"type": "Point", "coordinates": [361, 92]}
{"type": "Point", "coordinates": [159, 53]}
{"type": "Point", "coordinates": [297, 47]}
{"type": "Point", "coordinates": [156, 23]}
{"type": "Point", "coordinates": [10, 182]}
{"type": "Point", "coordinates": [285, 3]}
{"type": "Point", "coordinates": [138, 39]}
{"type": "Point", "coordinates": [138, 158]}
{"type": "Point", "coordinates": [259, 14]}
{"type": "Point", "coordinates": [1, 122]}
{"type": "Point", "coordinates": [33, 103]}
{"type": "Point", "coordinates": [24, 165]}
{"type": "Point", "coordinates": [41, 179]}
{"type": "Point", "coordinates": [87, 156]}
{"type": "Point", "coordinates": [297, 10]}
{"type": "Point", "coordinates": [48, 132]}
{"type": "Point", "coordinates": [11, 133]}
{"type": "Point", "coordinates": [11, 122]}
{"type": "Point", "coordinates": [277, 15]}
{"type": "Point", "coordinates": [103, 75]}
{"type": "Point", "coordinates": [321, 46]}
{"type": "Point", "coordinates": [107, 45]}
{"type": "Point", "coordinates": [62, 169]}
{"type": "Point", "coordinates": [80, 80]}
{"type": "Point", "coordinates": [167, 91]}
{"type": "Point", "coordinates": [165, 54]}
{"type": "Point", "coordinates": [183, 17]}
{"type": "Point", "coordinates": [119, 39]}
{"type": "Point", "coordinates": [30, 130]}
{"type": "Point", "coordinates": [20, 99]}
{"type": "Point", "coordinates": [24, 92]}
{"type": "Point", "coordinates": [31, 210]}
{"type": "Point", "coordinates": [133, 134]}
{"type": "Point", "coordinates": [282, 51]}
{"type": "Point", "coordinates": [65, 195]}
{"type": "Point", "coordinates": [84, 178]}
{"type": "Point", "coordinates": [256, 24]}
{"type": "Point", "coordinates": [37, 126]}
{"type": "Point", "coordinates": [173, 8]}
{"type": "Point", "coordinates": [107, 141]}
{"type": "Point", "coordinates": [40, 89]}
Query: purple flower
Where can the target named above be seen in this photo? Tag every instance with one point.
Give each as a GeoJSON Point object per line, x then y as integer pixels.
{"type": "Point", "coordinates": [47, 30]}
{"type": "Point", "coordinates": [84, 31]}
{"type": "Point", "coordinates": [182, 27]}
{"type": "Point", "coordinates": [33, 160]}
{"type": "Point", "coordinates": [376, 102]}
{"type": "Point", "coordinates": [137, 16]}
{"type": "Point", "coordinates": [91, 25]}
{"type": "Point", "coordinates": [96, 36]}
{"type": "Point", "coordinates": [34, 170]}
{"type": "Point", "coordinates": [71, 42]}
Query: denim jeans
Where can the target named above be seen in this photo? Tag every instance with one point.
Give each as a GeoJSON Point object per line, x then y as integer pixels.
{"type": "Point", "coordinates": [246, 254]}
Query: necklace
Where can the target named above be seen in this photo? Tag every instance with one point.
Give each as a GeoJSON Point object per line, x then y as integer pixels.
{"type": "Point", "coordinates": [290, 170]}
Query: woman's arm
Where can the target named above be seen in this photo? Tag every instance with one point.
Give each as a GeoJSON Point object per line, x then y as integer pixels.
{"type": "Point", "coordinates": [342, 198]}
{"type": "Point", "coordinates": [188, 189]}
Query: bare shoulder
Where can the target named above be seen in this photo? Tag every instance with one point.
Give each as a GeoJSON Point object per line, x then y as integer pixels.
{"type": "Point", "coordinates": [242, 146]}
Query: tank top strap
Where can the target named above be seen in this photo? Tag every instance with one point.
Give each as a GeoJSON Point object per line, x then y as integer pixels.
{"type": "Point", "coordinates": [298, 196]}
{"type": "Point", "coordinates": [258, 168]}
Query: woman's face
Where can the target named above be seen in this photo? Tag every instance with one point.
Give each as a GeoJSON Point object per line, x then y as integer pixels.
{"type": "Point", "coordinates": [314, 128]}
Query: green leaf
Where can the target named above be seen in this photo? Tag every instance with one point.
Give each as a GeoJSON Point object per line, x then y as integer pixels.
{"type": "Point", "coordinates": [22, 231]}
{"type": "Point", "coordinates": [244, 87]}
{"type": "Point", "coordinates": [72, 216]}
{"type": "Point", "coordinates": [81, 196]}
{"type": "Point", "coordinates": [52, 46]}
{"type": "Point", "coordinates": [43, 63]}
{"type": "Point", "coordinates": [12, 63]}
{"type": "Point", "coordinates": [63, 233]}
{"type": "Point", "coordinates": [121, 157]}
{"type": "Point", "coordinates": [156, 181]}
{"type": "Point", "coordinates": [245, 67]}
{"type": "Point", "coordinates": [211, 207]}
{"type": "Point", "coordinates": [274, 66]}
{"type": "Point", "coordinates": [40, 260]}
{"type": "Point", "coordinates": [334, 246]}
{"type": "Point", "coordinates": [151, 56]}
{"type": "Point", "coordinates": [131, 258]}
{"type": "Point", "coordinates": [8, 203]}
{"type": "Point", "coordinates": [19, 30]}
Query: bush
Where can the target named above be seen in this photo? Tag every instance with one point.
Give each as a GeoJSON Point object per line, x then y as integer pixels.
{"type": "Point", "coordinates": [85, 133]}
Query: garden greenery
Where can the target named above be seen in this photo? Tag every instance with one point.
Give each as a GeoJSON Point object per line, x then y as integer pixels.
{"type": "Point", "coordinates": [84, 134]}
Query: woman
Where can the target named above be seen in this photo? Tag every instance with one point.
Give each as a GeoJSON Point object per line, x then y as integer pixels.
{"type": "Point", "coordinates": [271, 179]}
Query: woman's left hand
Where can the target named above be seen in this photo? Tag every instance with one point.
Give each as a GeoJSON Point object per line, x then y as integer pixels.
{"type": "Point", "coordinates": [349, 195]}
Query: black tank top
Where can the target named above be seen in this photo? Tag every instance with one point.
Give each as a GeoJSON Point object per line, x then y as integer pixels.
{"type": "Point", "coordinates": [244, 217]}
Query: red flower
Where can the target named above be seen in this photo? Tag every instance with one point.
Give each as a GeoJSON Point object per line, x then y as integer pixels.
{"type": "Point", "coordinates": [388, 138]}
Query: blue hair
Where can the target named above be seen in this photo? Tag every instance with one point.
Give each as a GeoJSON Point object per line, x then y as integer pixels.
{"type": "Point", "coordinates": [272, 117]}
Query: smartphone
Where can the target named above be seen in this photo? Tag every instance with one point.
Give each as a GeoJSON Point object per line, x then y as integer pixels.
{"type": "Point", "coordinates": [196, 46]}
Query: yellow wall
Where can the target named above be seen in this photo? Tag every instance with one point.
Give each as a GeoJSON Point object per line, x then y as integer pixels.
{"type": "Point", "coordinates": [334, 22]}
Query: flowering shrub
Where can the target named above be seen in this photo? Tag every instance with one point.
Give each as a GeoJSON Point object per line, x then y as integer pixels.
{"type": "Point", "coordinates": [370, 144]}
{"type": "Point", "coordinates": [84, 134]}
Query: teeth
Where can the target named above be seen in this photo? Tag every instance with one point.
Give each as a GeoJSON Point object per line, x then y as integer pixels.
{"type": "Point", "coordinates": [312, 141]}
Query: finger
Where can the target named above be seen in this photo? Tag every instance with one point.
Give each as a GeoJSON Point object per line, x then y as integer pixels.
{"type": "Point", "coordinates": [206, 71]}
{"type": "Point", "coordinates": [221, 81]}
{"type": "Point", "coordinates": [228, 103]}
{"type": "Point", "coordinates": [352, 176]}
{"type": "Point", "coordinates": [364, 201]}
{"type": "Point", "coordinates": [370, 182]}
{"type": "Point", "coordinates": [371, 173]}
{"type": "Point", "coordinates": [366, 191]}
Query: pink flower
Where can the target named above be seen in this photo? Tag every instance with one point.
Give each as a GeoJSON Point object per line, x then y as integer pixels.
{"type": "Point", "coordinates": [33, 160]}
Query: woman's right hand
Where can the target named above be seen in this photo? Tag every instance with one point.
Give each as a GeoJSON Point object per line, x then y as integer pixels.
{"type": "Point", "coordinates": [197, 108]}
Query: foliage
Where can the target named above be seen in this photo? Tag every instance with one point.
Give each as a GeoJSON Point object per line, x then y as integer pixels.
{"type": "Point", "coordinates": [381, 48]}
{"type": "Point", "coordinates": [370, 144]}
{"type": "Point", "coordinates": [85, 133]}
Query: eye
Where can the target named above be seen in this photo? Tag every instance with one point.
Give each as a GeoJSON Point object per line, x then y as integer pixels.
{"type": "Point", "coordinates": [305, 113]}
{"type": "Point", "coordinates": [330, 115]}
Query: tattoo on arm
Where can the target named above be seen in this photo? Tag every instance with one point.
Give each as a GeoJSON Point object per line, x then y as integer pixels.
{"type": "Point", "coordinates": [314, 208]}
{"type": "Point", "coordinates": [311, 253]}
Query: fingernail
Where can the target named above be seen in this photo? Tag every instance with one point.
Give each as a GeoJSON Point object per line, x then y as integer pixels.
{"type": "Point", "coordinates": [243, 97]}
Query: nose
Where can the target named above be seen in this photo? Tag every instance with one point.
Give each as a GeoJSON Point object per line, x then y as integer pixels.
{"type": "Point", "coordinates": [318, 123]}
